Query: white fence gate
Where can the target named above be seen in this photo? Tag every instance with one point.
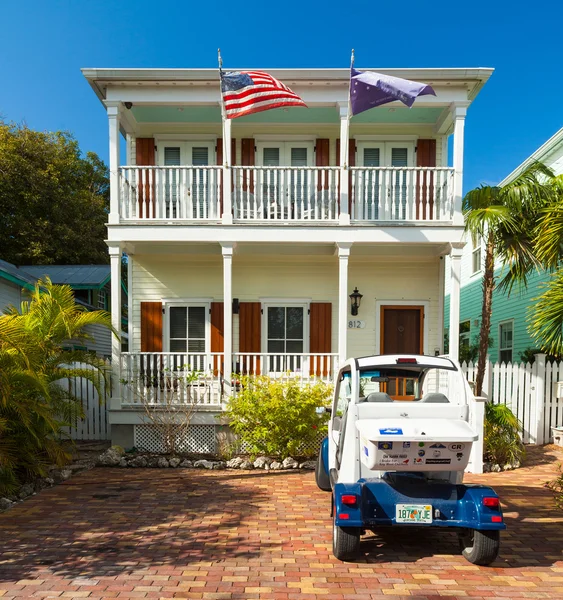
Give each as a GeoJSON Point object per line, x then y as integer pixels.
{"type": "Point", "coordinates": [528, 390]}
{"type": "Point", "coordinates": [94, 425]}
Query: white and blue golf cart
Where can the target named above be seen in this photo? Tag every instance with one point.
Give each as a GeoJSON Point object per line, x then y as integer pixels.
{"type": "Point", "coordinates": [398, 443]}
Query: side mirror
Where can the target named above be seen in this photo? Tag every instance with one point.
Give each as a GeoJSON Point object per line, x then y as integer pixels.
{"type": "Point", "coordinates": [321, 410]}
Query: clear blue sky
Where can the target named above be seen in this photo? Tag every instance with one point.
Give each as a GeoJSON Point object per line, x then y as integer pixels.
{"type": "Point", "coordinates": [45, 43]}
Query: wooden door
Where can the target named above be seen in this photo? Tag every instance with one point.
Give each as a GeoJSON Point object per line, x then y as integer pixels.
{"type": "Point", "coordinates": [401, 333]}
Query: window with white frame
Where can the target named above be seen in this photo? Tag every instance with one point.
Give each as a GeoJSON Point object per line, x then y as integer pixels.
{"type": "Point", "coordinates": [286, 335]}
{"type": "Point", "coordinates": [476, 257]}
{"type": "Point", "coordinates": [102, 299]}
{"type": "Point", "coordinates": [188, 332]}
{"type": "Point", "coordinates": [506, 340]}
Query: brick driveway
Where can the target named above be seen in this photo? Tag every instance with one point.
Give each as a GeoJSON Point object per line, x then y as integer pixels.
{"type": "Point", "coordinates": [145, 533]}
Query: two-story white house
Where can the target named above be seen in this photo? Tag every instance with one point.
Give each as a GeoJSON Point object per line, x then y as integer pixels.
{"type": "Point", "coordinates": [245, 242]}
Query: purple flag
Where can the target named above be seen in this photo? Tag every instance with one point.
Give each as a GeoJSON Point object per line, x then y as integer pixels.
{"type": "Point", "coordinates": [369, 89]}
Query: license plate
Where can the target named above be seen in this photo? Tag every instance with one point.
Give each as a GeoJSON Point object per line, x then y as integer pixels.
{"type": "Point", "coordinates": [413, 513]}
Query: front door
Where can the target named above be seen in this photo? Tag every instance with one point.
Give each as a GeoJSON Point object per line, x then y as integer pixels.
{"type": "Point", "coordinates": [401, 333]}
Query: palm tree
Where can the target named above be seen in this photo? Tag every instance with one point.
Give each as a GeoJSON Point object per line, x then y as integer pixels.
{"type": "Point", "coordinates": [505, 219]}
{"type": "Point", "coordinates": [34, 406]}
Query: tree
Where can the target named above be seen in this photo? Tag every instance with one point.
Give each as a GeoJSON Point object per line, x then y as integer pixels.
{"type": "Point", "coordinates": [53, 201]}
{"type": "Point", "coordinates": [505, 219]}
{"type": "Point", "coordinates": [33, 405]}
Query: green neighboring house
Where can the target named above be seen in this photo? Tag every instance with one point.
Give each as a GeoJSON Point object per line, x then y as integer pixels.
{"type": "Point", "coordinates": [91, 286]}
{"type": "Point", "coordinates": [509, 327]}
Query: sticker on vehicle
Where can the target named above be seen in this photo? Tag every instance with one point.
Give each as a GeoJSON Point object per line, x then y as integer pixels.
{"type": "Point", "coordinates": [385, 445]}
{"type": "Point", "coordinates": [392, 431]}
{"type": "Point", "coordinates": [438, 461]}
{"type": "Point", "coordinates": [438, 445]}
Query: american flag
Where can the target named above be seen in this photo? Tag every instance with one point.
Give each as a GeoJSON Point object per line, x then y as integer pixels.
{"type": "Point", "coordinates": [247, 92]}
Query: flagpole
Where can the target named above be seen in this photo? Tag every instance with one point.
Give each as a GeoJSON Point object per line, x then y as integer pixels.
{"type": "Point", "coordinates": [350, 86]}
{"type": "Point", "coordinates": [220, 61]}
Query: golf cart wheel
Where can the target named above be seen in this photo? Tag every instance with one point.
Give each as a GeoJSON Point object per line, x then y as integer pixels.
{"type": "Point", "coordinates": [479, 547]}
{"type": "Point", "coordinates": [345, 542]}
{"type": "Point", "coordinates": [321, 476]}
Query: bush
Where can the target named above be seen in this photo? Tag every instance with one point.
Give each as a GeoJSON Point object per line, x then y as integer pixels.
{"type": "Point", "coordinates": [556, 486]}
{"type": "Point", "coordinates": [278, 418]}
{"type": "Point", "coordinates": [503, 445]}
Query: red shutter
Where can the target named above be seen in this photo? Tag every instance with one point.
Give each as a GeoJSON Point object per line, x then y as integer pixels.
{"type": "Point", "coordinates": [247, 160]}
{"type": "Point", "coordinates": [217, 339]}
{"type": "Point", "coordinates": [320, 342]}
{"type": "Point", "coordinates": [145, 157]}
{"type": "Point", "coordinates": [425, 157]}
{"type": "Point", "coordinates": [322, 160]}
{"type": "Point", "coordinates": [151, 326]}
{"type": "Point", "coordinates": [250, 335]}
{"type": "Point", "coordinates": [351, 163]}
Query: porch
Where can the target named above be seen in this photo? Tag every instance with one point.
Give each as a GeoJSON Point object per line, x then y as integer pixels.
{"type": "Point", "coordinates": [172, 378]}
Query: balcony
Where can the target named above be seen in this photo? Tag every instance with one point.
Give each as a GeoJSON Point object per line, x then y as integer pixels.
{"type": "Point", "coordinates": [311, 195]}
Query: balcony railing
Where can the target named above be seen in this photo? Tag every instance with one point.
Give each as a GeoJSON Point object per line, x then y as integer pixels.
{"type": "Point", "coordinates": [287, 194]}
{"type": "Point", "coordinates": [176, 378]}
{"type": "Point", "coordinates": [402, 193]}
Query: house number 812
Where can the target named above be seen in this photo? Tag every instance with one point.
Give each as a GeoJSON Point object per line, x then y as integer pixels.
{"type": "Point", "coordinates": [356, 324]}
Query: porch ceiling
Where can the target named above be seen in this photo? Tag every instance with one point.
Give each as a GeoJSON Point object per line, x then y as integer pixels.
{"type": "Point", "coordinates": [316, 114]}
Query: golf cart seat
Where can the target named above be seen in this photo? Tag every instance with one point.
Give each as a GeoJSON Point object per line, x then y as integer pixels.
{"type": "Point", "coordinates": [435, 398]}
{"type": "Point", "coordinates": [378, 397]}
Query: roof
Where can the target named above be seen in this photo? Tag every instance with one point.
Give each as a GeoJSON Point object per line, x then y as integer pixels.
{"type": "Point", "coordinates": [77, 276]}
{"type": "Point", "coordinates": [538, 156]}
{"type": "Point", "coordinates": [99, 78]}
{"type": "Point", "coordinates": [16, 275]}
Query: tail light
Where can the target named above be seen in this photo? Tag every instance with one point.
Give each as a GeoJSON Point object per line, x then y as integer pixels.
{"type": "Point", "coordinates": [349, 499]}
{"type": "Point", "coordinates": [491, 502]}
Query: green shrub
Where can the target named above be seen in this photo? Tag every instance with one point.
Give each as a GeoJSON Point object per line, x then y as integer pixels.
{"type": "Point", "coordinates": [278, 418]}
{"type": "Point", "coordinates": [502, 435]}
{"type": "Point", "coordinates": [556, 486]}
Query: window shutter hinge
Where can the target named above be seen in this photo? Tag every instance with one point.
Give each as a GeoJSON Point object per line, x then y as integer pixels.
{"type": "Point", "coordinates": [209, 311]}
{"type": "Point", "coordinates": [262, 311]}
{"type": "Point", "coordinates": [308, 311]}
{"type": "Point", "coordinates": [156, 148]}
{"type": "Point", "coordinates": [163, 310]}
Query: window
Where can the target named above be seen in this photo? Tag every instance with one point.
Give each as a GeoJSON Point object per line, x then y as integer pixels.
{"type": "Point", "coordinates": [464, 337]}
{"type": "Point", "coordinates": [285, 336]}
{"type": "Point", "coordinates": [476, 257]}
{"type": "Point", "coordinates": [188, 332]}
{"type": "Point", "coordinates": [102, 299]}
{"type": "Point", "coordinates": [506, 334]}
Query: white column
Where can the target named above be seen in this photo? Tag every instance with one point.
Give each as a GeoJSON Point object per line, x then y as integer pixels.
{"type": "Point", "coordinates": [343, 299]}
{"type": "Point", "coordinates": [441, 293]}
{"type": "Point", "coordinates": [130, 301]}
{"type": "Point", "coordinates": [477, 422]}
{"type": "Point", "coordinates": [459, 113]}
{"type": "Point", "coordinates": [344, 218]}
{"type": "Point", "coordinates": [227, 216]}
{"type": "Point", "coordinates": [115, 264]}
{"type": "Point", "coordinates": [114, 133]}
{"type": "Point", "coordinates": [227, 250]}
{"type": "Point", "coordinates": [455, 261]}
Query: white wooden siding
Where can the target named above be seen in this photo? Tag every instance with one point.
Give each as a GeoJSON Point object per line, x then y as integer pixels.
{"type": "Point", "coordinates": [101, 344]}
{"type": "Point", "coordinates": [10, 294]}
{"type": "Point", "coordinates": [157, 277]}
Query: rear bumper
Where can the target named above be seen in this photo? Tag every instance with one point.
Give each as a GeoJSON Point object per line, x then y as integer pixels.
{"type": "Point", "coordinates": [453, 505]}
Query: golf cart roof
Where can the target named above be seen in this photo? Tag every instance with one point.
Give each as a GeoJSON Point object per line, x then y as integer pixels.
{"type": "Point", "coordinates": [417, 361]}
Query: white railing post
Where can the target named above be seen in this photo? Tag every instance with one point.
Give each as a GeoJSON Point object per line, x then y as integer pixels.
{"type": "Point", "coordinates": [537, 415]}
{"type": "Point", "coordinates": [344, 216]}
{"type": "Point", "coordinates": [487, 388]}
{"type": "Point", "coordinates": [227, 216]}
{"type": "Point", "coordinates": [113, 110]}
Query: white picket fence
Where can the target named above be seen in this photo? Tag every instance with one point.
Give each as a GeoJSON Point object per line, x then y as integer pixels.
{"type": "Point", "coordinates": [529, 391]}
{"type": "Point", "coordinates": [94, 425]}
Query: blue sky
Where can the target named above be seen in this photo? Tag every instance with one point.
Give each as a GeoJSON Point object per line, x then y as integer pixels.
{"type": "Point", "coordinates": [44, 45]}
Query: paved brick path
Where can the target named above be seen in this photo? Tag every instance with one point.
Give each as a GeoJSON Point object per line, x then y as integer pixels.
{"type": "Point", "coordinates": [143, 533]}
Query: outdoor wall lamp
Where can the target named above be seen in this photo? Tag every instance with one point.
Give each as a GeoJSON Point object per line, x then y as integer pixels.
{"type": "Point", "coordinates": [356, 299]}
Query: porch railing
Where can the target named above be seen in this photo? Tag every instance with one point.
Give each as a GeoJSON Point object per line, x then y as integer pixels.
{"type": "Point", "coordinates": [402, 193]}
{"type": "Point", "coordinates": [286, 193]}
{"type": "Point", "coordinates": [188, 193]}
{"type": "Point", "coordinates": [303, 367]}
{"type": "Point", "coordinates": [160, 378]}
